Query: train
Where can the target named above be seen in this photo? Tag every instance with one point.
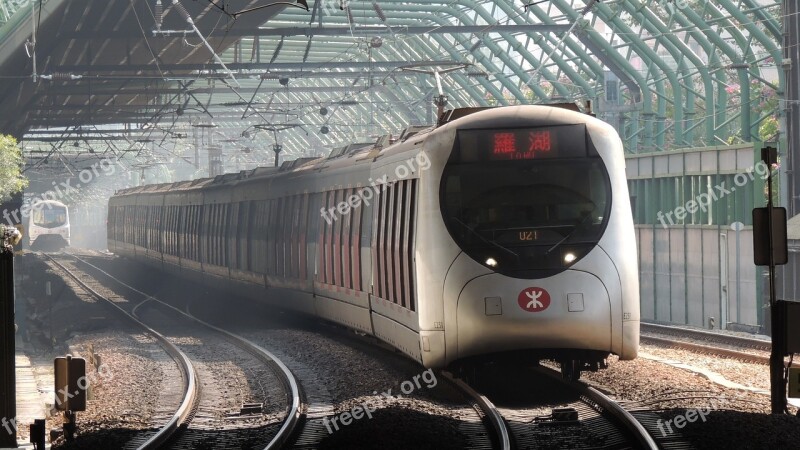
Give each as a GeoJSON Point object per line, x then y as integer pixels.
{"type": "Point", "coordinates": [48, 224]}
{"type": "Point", "coordinates": [499, 234]}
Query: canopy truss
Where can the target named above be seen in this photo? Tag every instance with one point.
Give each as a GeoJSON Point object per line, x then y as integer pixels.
{"type": "Point", "coordinates": [667, 73]}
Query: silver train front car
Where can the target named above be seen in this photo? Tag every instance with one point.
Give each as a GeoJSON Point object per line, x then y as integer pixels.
{"type": "Point", "coordinates": [526, 235]}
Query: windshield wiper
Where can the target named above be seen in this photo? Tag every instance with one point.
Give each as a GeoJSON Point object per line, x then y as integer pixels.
{"type": "Point", "coordinates": [484, 239]}
{"type": "Point", "coordinates": [575, 228]}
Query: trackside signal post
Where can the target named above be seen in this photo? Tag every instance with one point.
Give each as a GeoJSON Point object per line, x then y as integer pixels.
{"type": "Point", "coordinates": [70, 388]}
{"type": "Point", "coordinates": [770, 249]}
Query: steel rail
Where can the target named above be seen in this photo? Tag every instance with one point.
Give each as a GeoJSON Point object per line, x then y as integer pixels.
{"type": "Point", "coordinates": [190, 399]}
{"type": "Point", "coordinates": [707, 349]}
{"type": "Point", "coordinates": [758, 344]}
{"type": "Point", "coordinates": [492, 413]}
{"type": "Point", "coordinates": [643, 438]}
{"type": "Point", "coordinates": [294, 414]}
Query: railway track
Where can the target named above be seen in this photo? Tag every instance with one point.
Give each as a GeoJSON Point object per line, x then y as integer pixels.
{"type": "Point", "coordinates": [585, 418]}
{"type": "Point", "coordinates": [603, 422]}
{"type": "Point", "coordinates": [707, 342]}
{"type": "Point", "coordinates": [197, 406]}
{"type": "Point", "coordinates": [320, 403]}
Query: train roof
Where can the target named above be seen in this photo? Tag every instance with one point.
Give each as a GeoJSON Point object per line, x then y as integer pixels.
{"type": "Point", "coordinates": [358, 150]}
{"type": "Point", "coordinates": [52, 203]}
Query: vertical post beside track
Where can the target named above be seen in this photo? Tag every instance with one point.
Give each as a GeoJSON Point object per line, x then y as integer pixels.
{"type": "Point", "coordinates": [8, 400]}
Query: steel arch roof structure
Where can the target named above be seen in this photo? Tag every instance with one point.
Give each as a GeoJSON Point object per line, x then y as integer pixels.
{"type": "Point", "coordinates": [668, 73]}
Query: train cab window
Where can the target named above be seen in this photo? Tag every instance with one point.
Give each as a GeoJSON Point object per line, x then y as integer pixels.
{"type": "Point", "coordinates": [49, 216]}
{"type": "Point", "coordinates": [527, 216]}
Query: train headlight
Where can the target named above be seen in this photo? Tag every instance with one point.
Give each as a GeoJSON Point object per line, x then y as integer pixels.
{"type": "Point", "coordinates": [569, 257]}
{"type": "Point", "coordinates": [491, 262]}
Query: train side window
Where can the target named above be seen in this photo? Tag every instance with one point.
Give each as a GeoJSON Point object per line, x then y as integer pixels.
{"type": "Point", "coordinates": [411, 280]}
{"type": "Point", "coordinates": [218, 234]}
{"type": "Point", "coordinates": [267, 238]}
{"type": "Point", "coordinates": [377, 235]}
{"type": "Point", "coordinates": [213, 234]}
{"type": "Point", "coordinates": [186, 230]}
{"type": "Point", "coordinates": [222, 219]}
{"type": "Point", "coordinates": [295, 238]}
{"type": "Point", "coordinates": [344, 241]}
{"type": "Point", "coordinates": [355, 244]}
{"type": "Point", "coordinates": [319, 247]}
{"type": "Point", "coordinates": [328, 248]}
{"type": "Point", "coordinates": [241, 230]}
{"type": "Point", "coordinates": [302, 218]}
{"type": "Point", "coordinates": [227, 218]}
{"type": "Point", "coordinates": [289, 222]}
{"type": "Point", "coordinates": [174, 230]}
{"type": "Point", "coordinates": [204, 224]}
{"type": "Point", "coordinates": [285, 251]}
{"type": "Point", "coordinates": [272, 236]}
{"type": "Point", "coordinates": [337, 242]}
{"type": "Point", "coordinates": [389, 242]}
{"type": "Point", "coordinates": [183, 223]}
{"type": "Point", "coordinates": [250, 244]}
{"type": "Point", "coordinates": [291, 245]}
{"type": "Point", "coordinates": [399, 244]}
{"type": "Point", "coordinates": [168, 226]}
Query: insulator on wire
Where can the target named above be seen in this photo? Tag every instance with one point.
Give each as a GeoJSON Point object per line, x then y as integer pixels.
{"type": "Point", "coordinates": [60, 76]}
{"type": "Point", "coordinates": [159, 13]}
{"type": "Point", "coordinates": [379, 11]}
{"type": "Point", "coordinates": [181, 10]}
{"type": "Point", "coordinates": [349, 14]}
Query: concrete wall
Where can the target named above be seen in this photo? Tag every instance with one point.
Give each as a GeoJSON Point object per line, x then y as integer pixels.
{"type": "Point", "coordinates": [689, 274]}
{"type": "Point", "coordinates": [688, 258]}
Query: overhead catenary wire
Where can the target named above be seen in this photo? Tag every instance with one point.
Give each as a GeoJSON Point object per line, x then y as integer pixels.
{"type": "Point", "coordinates": [185, 15]}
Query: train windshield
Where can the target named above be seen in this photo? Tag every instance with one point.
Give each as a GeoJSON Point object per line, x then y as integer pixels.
{"type": "Point", "coordinates": [49, 216]}
{"type": "Point", "coordinates": [525, 216]}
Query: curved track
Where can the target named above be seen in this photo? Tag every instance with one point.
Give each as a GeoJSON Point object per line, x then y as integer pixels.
{"type": "Point", "coordinates": [190, 398]}
{"type": "Point", "coordinates": [606, 405]}
{"type": "Point", "coordinates": [184, 415]}
{"type": "Point", "coordinates": [521, 425]}
{"type": "Point", "coordinates": [490, 411]}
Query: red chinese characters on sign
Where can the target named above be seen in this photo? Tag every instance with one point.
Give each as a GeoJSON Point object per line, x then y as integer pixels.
{"type": "Point", "coordinates": [539, 141]}
{"type": "Point", "coordinates": [534, 299]}
{"type": "Point", "coordinates": [504, 144]}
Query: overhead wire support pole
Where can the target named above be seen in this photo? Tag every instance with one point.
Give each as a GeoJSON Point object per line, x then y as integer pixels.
{"type": "Point", "coordinates": [33, 39]}
{"type": "Point", "coordinates": [778, 315]}
{"type": "Point", "coordinates": [791, 68]}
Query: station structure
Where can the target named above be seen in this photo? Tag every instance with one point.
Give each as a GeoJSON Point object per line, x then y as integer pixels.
{"type": "Point", "coordinates": [176, 89]}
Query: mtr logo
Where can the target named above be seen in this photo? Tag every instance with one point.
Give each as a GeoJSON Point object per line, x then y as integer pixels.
{"type": "Point", "coordinates": [534, 299]}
